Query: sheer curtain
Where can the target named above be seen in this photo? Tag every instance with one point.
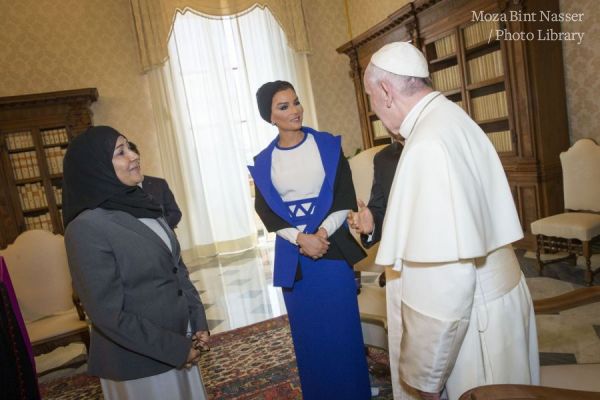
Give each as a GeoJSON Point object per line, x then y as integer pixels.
{"type": "Point", "coordinates": [207, 89]}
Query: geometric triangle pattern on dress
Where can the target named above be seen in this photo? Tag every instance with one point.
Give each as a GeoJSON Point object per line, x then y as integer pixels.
{"type": "Point", "coordinates": [301, 208]}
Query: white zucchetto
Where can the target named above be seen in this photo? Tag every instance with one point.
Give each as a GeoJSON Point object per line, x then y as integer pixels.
{"type": "Point", "coordinates": [401, 58]}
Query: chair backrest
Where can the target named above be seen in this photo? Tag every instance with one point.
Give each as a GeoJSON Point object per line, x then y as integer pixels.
{"type": "Point", "coordinates": [37, 263]}
{"type": "Point", "coordinates": [361, 166]}
{"type": "Point", "coordinates": [581, 175]}
{"type": "Point", "coordinates": [362, 171]}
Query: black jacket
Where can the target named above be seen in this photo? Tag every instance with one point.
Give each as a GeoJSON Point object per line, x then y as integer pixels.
{"type": "Point", "coordinates": [384, 169]}
{"type": "Point", "coordinates": [160, 192]}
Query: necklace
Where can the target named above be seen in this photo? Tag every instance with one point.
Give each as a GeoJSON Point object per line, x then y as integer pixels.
{"type": "Point", "coordinates": [419, 114]}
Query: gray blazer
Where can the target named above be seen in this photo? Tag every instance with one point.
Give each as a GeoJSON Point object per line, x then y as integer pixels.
{"type": "Point", "coordinates": [136, 292]}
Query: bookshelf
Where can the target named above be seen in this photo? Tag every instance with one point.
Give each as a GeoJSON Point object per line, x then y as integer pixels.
{"type": "Point", "coordinates": [34, 134]}
{"type": "Point", "coordinates": [467, 65]}
{"type": "Point", "coordinates": [514, 89]}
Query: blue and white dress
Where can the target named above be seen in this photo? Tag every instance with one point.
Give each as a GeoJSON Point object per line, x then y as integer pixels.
{"type": "Point", "coordinates": [301, 189]}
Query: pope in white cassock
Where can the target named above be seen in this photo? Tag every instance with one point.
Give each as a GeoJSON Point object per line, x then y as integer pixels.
{"type": "Point", "coordinates": [459, 311]}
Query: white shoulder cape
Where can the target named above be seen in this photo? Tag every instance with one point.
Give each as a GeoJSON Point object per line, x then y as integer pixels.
{"type": "Point", "coordinates": [450, 199]}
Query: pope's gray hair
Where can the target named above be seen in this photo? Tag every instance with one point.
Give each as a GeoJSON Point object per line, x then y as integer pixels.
{"type": "Point", "coordinates": [405, 85]}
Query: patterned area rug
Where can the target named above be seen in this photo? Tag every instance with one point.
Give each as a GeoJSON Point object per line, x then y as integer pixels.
{"type": "Point", "coordinates": [253, 362]}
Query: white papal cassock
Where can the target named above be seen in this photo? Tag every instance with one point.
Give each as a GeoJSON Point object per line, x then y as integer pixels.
{"type": "Point", "coordinates": [459, 311]}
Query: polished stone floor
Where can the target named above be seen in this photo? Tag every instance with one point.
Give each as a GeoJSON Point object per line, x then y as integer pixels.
{"type": "Point", "coordinates": [237, 290]}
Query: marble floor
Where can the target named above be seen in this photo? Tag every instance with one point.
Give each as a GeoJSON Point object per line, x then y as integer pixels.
{"type": "Point", "coordinates": [237, 290]}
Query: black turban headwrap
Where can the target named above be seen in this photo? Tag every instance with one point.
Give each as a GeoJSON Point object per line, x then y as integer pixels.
{"type": "Point", "coordinates": [90, 180]}
{"type": "Point", "coordinates": [264, 97]}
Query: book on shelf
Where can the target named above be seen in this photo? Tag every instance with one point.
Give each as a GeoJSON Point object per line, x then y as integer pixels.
{"type": "Point", "coordinates": [490, 106]}
{"type": "Point", "coordinates": [32, 196]}
{"type": "Point", "coordinates": [24, 165]}
{"type": "Point", "coordinates": [488, 66]}
{"type": "Point", "coordinates": [57, 194]}
{"type": "Point", "coordinates": [379, 130]}
{"type": "Point", "coordinates": [19, 140]}
{"type": "Point", "coordinates": [55, 136]}
{"type": "Point", "coordinates": [54, 158]}
{"type": "Point", "coordinates": [445, 46]}
{"type": "Point", "coordinates": [501, 140]}
{"type": "Point", "coordinates": [479, 33]}
{"type": "Point", "coordinates": [43, 222]}
{"type": "Point", "coordinates": [446, 79]}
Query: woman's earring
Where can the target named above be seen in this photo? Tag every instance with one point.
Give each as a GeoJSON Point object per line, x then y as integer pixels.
{"type": "Point", "coordinates": [273, 123]}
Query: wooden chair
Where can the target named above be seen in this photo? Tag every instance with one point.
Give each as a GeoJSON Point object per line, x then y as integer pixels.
{"type": "Point", "coordinates": [371, 300]}
{"type": "Point", "coordinates": [558, 382]}
{"type": "Point", "coordinates": [578, 227]}
{"type": "Point", "coordinates": [37, 263]}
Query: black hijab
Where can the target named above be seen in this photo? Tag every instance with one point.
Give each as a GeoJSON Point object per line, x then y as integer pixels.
{"type": "Point", "coordinates": [90, 180]}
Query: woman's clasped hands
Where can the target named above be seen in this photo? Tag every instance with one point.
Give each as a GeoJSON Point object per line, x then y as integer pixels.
{"type": "Point", "coordinates": [199, 346]}
{"type": "Point", "coordinates": [313, 245]}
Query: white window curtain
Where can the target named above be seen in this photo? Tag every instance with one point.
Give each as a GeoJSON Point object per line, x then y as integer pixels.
{"type": "Point", "coordinates": [208, 122]}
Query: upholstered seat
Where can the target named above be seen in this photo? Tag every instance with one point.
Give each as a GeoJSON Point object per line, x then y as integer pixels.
{"type": "Point", "coordinates": [371, 300]}
{"type": "Point", "coordinates": [582, 226]}
{"type": "Point", "coordinates": [373, 316]}
{"type": "Point", "coordinates": [574, 230]}
{"type": "Point", "coordinates": [37, 263]}
{"type": "Point", "coordinates": [61, 324]}
{"type": "Point", "coordinates": [572, 376]}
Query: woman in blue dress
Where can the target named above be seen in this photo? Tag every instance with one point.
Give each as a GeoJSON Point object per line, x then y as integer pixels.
{"type": "Point", "coordinates": [304, 194]}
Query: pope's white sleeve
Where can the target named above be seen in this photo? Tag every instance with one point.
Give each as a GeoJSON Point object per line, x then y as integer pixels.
{"type": "Point", "coordinates": [436, 308]}
{"type": "Point", "coordinates": [334, 221]}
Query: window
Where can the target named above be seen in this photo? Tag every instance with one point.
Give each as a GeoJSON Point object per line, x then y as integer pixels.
{"type": "Point", "coordinates": [216, 66]}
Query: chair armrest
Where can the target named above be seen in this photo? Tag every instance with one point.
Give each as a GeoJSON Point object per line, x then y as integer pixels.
{"type": "Point", "coordinates": [522, 392]}
{"type": "Point", "coordinates": [367, 264]}
{"type": "Point", "coordinates": [572, 299]}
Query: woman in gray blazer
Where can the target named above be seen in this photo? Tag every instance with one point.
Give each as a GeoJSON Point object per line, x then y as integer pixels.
{"type": "Point", "coordinates": [148, 323]}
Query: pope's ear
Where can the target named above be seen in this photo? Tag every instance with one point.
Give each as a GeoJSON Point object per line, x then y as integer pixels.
{"type": "Point", "coordinates": [387, 93]}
